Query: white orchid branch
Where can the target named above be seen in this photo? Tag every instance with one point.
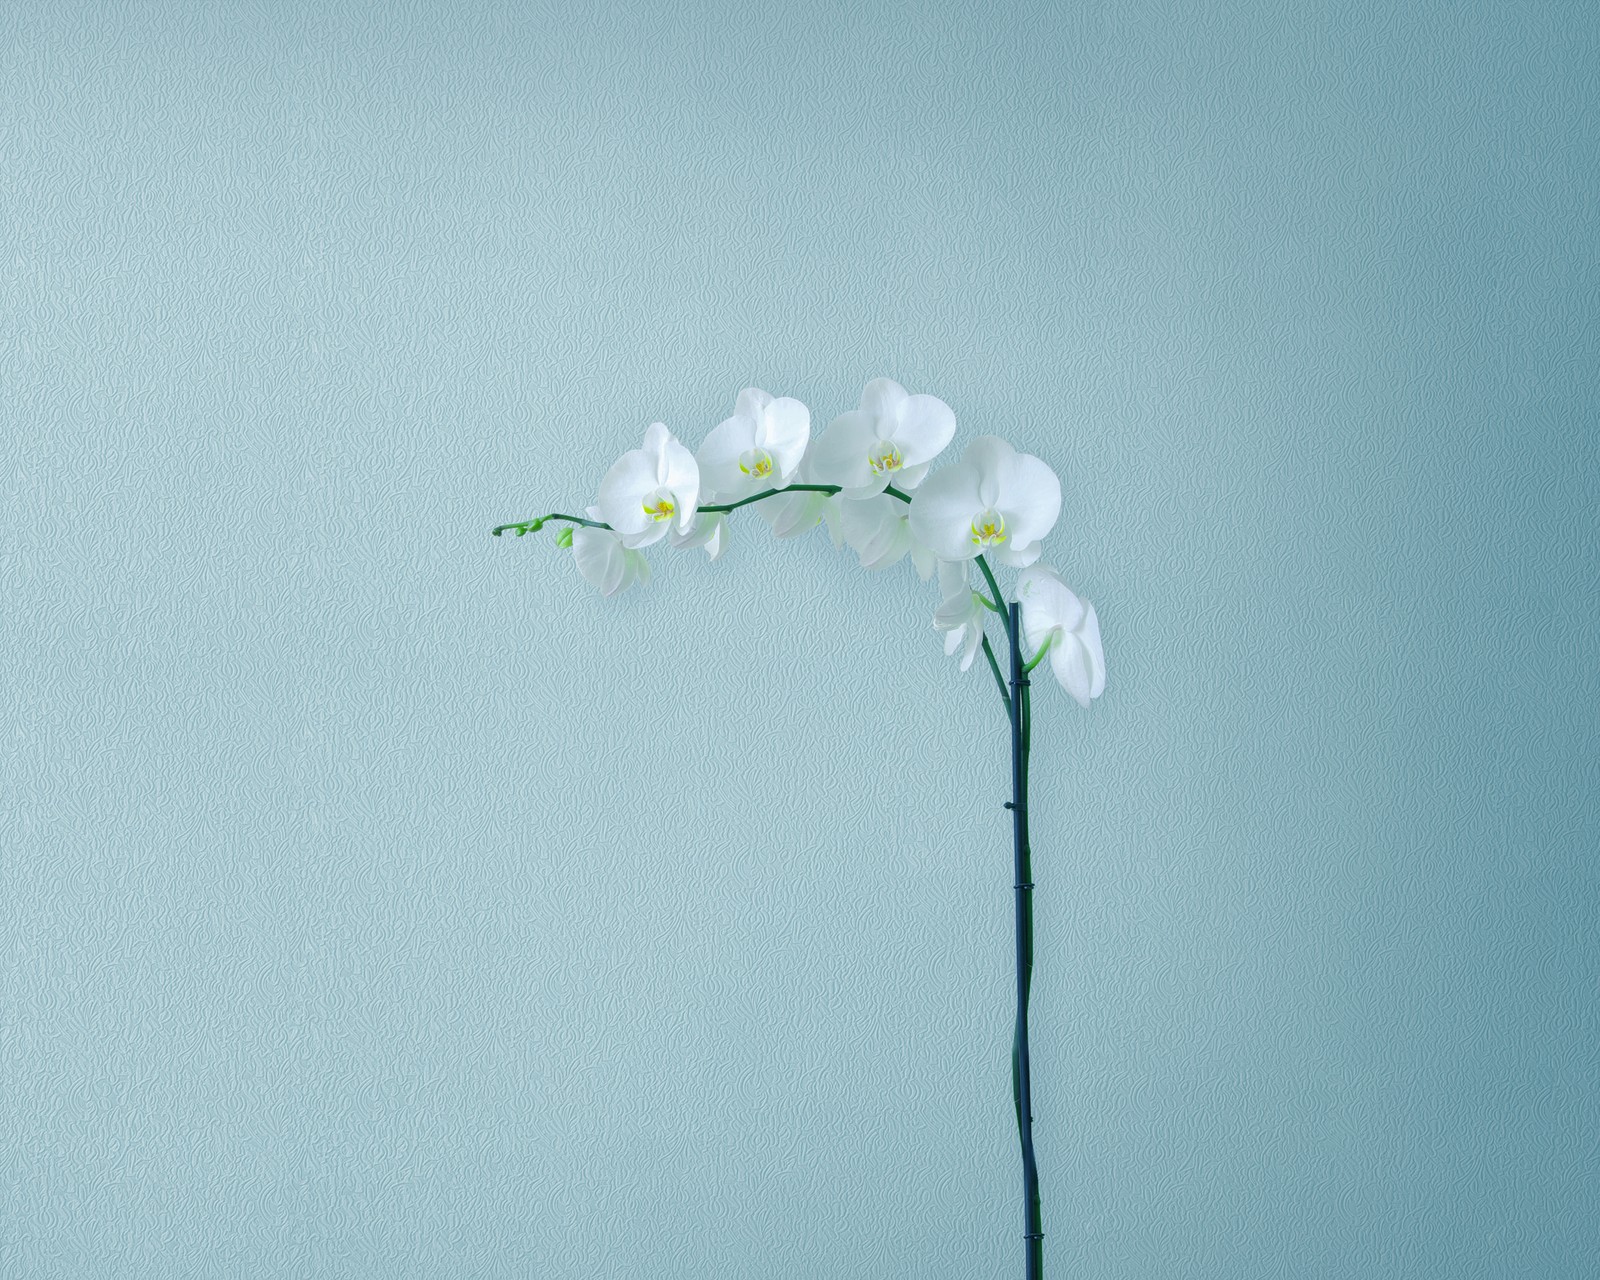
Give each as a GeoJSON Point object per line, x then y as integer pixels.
{"type": "Point", "coordinates": [995, 502]}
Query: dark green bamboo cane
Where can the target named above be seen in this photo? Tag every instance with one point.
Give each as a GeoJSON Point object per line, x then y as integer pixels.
{"type": "Point", "coordinates": [1021, 1074]}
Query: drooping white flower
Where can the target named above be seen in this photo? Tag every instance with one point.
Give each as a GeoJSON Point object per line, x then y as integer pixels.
{"type": "Point", "coordinates": [1053, 615]}
{"type": "Point", "coordinates": [709, 530]}
{"type": "Point", "coordinates": [760, 447]}
{"type": "Point", "coordinates": [791, 514]}
{"type": "Point", "coordinates": [960, 612]}
{"type": "Point", "coordinates": [876, 530]}
{"type": "Point", "coordinates": [647, 489]}
{"type": "Point", "coordinates": [604, 560]}
{"type": "Point", "coordinates": [995, 501]}
{"type": "Point", "coordinates": [890, 439]}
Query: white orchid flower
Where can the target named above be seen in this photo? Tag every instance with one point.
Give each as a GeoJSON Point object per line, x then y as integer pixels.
{"type": "Point", "coordinates": [995, 501]}
{"type": "Point", "coordinates": [647, 489]}
{"type": "Point", "coordinates": [960, 612]}
{"type": "Point", "coordinates": [760, 447]}
{"type": "Point", "coordinates": [709, 530]}
{"type": "Point", "coordinates": [890, 439]}
{"type": "Point", "coordinates": [876, 530]}
{"type": "Point", "coordinates": [604, 560]}
{"type": "Point", "coordinates": [1053, 615]}
{"type": "Point", "coordinates": [791, 514]}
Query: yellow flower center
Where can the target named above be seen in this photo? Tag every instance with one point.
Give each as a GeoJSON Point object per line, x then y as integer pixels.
{"type": "Point", "coordinates": [659, 505]}
{"type": "Point", "coordinates": [883, 457]}
{"type": "Point", "coordinates": [988, 528]}
{"type": "Point", "coordinates": [756, 462]}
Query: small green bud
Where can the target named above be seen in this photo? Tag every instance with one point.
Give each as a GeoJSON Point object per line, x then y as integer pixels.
{"type": "Point", "coordinates": [536, 525]}
{"type": "Point", "coordinates": [564, 538]}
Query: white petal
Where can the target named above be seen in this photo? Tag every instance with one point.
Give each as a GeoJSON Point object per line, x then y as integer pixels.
{"type": "Point", "coordinates": [954, 612]}
{"type": "Point", "coordinates": [683, 480]}
{"type": "Point", "coordinates": [953, 579]}
{"type": "Point", "coordinates": [790, 514]}
{"type": "Point", "coordinates": [650, 534]}
{"type": "Point", "coordinates": [622, 492]}
{"type": "Point", "coordinates": [882, 399]}
{"type": "Point", "coordinates": [1069, 659]}
{"type": "Point", "coordinates": [840, 454]}
{"type": "Point", "coordinates": [718, 458]}
{"type": "Point", "coordinates": [923, 559]}
{"type": "Point", "coordinates": [974, 640]}
{"type": "Point", "coordinates": [600, 558]}
{"type": "Point", "coordinates": [632, 566]}
{"type": "Point", "coordinates": [942, 510]}
{"type": "Point", "coordinates": [656, 437]}
{"type": "Point", "coordinates": [751, 402]}
{"type": "Point", "coordinates": [1030, 497]}
{"type": "Point", "coordinates": [1017, 557]}
{"type": "Point", "coordinates": [1047, 603]}
{"type": "Point", "coordinates": [719, 540]}
{"type": "Point", "coordinates": [832, 506]}
{"type": "Point", "coordinates": [1088, 633]}
{"type": "Point", "coordinates": [989, 456]}
{"type": "Point", "coordinates": [875, 531]}
{"type": "Point", "coordinates": [926, 424]}
{"type": "Point", "coordinates": [706, 528]}
{"type": "Point", "coordinates": [787, 425]}
{"type": "Point", "coordinates": [910, 477]}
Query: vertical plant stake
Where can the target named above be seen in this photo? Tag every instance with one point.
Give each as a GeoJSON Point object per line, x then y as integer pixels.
{"type": "Point", "coordinates": [866, 478]}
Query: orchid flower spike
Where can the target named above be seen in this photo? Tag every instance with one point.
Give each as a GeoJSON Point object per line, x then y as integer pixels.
{"type": "Point", "coordinates": [760, 447]}
{"type": "Point", "coordinates": [890, 439]}
{"type": "Point", "coordinates": [604, 560]}
{"type": "Point", "coordinates": [876, 530]}
{"type": "Point", "coordinates": [647, 489]}
{"type": "Point", "coordinates": [995, 501]}
{"type": "Point", "coordinates": [1053, 615]}
{"type": "Point", "coordinates": [960, 612]}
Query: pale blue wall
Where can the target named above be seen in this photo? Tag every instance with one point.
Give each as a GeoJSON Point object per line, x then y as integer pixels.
{"type": "Point", "coordinates": [378, 901]}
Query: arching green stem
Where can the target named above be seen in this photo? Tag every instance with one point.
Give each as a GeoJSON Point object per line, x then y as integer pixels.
{"type": "Point", "coordinates": [1038, 657]}
{"type": "Point", "coordinates": [521, 527]}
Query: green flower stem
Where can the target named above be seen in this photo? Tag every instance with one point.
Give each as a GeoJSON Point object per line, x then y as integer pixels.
{"type": "Point", "coordinates": [768, 493]}
{"type": "Point", "coordinates": [999, 595]}
{"type": "Point", "coordinates": [999, 679]}
{"type": "Point", "coordinates": [1038, 657]}
{"type": "Point", "coordinates": [521, 527]}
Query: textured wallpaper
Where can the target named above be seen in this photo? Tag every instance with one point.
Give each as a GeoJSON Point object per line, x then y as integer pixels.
{"type": "Point", "coordinates": [378, 901]}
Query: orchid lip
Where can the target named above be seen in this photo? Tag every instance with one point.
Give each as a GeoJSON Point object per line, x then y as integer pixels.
{"type": "Point", "coordinates": [988, 528]}
{"type": "Point", "coordinates": [659, 505]}
{"type": "Point", "coordinates": [883, 457]}
{"type": "Point", "coordinates": [756, 462]}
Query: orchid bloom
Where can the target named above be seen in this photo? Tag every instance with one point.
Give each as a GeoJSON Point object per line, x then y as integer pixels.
{"type": "Point", "coordinates": [791, 514]}
{"type": "Point", "coordinates": [890, 439]}
{"type": "Point", "coordinates": [760, 447]}
{"type": "Point", "coordinates": [709, 530]}
{"type": "Point", "coordinates": [876, 530]}
{"type": "Point", "coordinates": [604, 560]}
{"type": "Point", "coordinates": [1052, 615]}
{"type": "Point", "coordinates": [994, 501]}
{"type": "Point", "coordinates": [960, 612]}
{"type": "Point", "coordinates": [647, 489]}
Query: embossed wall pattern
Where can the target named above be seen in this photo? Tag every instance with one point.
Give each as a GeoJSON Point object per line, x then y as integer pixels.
{"type": "Point", "coordinates": [376, 900]}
